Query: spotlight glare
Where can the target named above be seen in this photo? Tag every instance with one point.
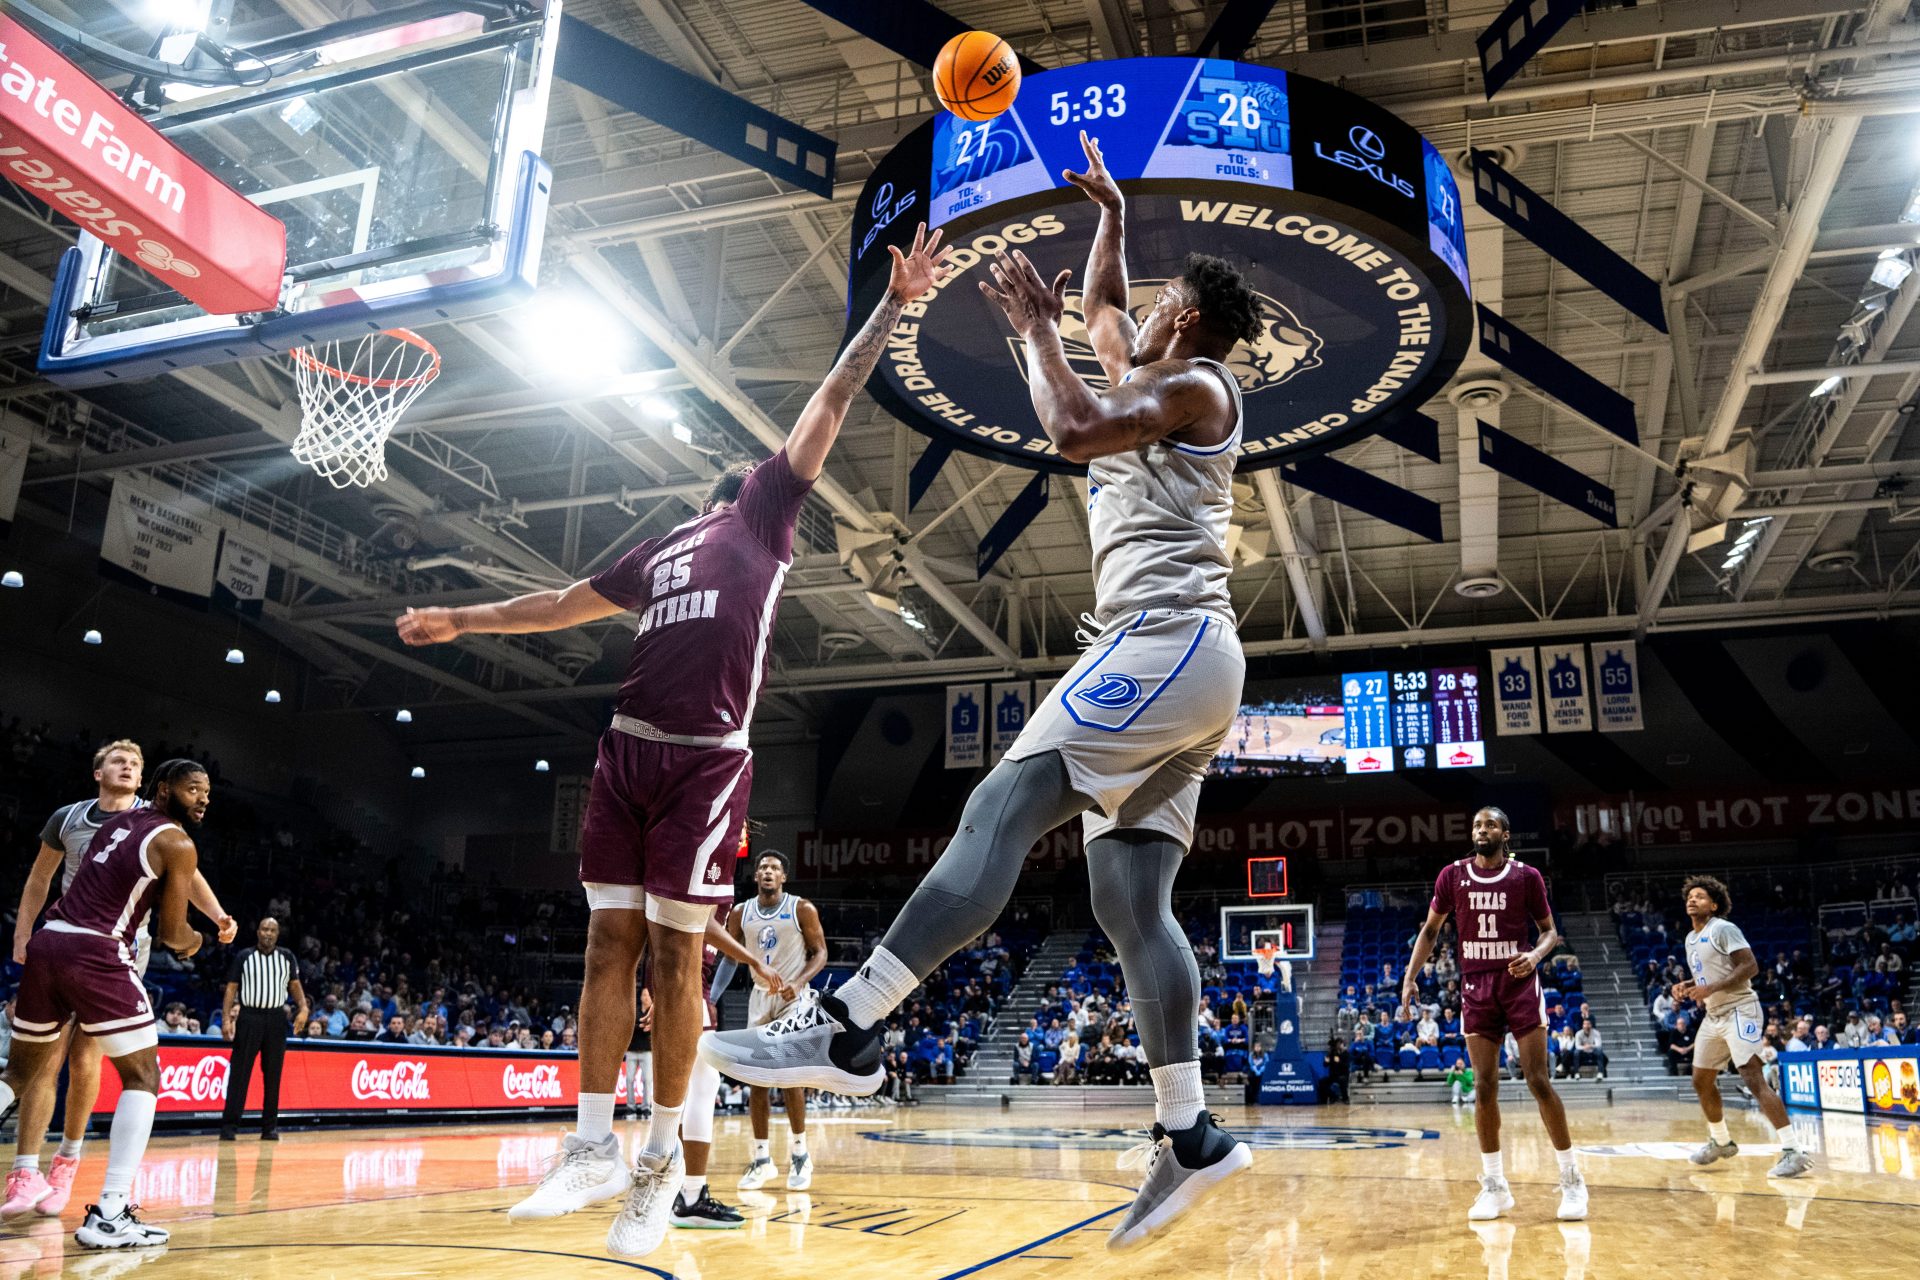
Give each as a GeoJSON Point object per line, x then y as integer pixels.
{"type": "Point", "coordinates": [572, 337]}
{"type": "Point", "coordinates": [660, 409]}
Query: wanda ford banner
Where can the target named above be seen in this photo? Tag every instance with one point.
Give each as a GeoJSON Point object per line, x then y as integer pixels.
{"type": "Point", "coordinates": [334, 1077]}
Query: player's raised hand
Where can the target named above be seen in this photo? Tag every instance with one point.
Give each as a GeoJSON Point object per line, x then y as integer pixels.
{"type": "Point", "coordinates": [1029, 301]}
{"type": "Point", "coordinates": [1521, 966]}
{"type": "Point", "coordinates": [1096, 181]}
{"type": "Point", "coordinates": [229, 929]}
{"type": "Point", "coordinates": [920, 268]}
{"type": "Point", "coordinates": [426, 626]}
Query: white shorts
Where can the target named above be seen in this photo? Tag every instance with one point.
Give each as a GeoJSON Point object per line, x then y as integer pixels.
{"type": "Point", "coordinates": [1731, 1035]}
{"type": "Point", "coordinates": [1140, 716]}
{"type": "Point", "coordinates": [763, 1006]}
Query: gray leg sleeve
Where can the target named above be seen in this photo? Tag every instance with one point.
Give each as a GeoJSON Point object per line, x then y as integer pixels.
{"type": "Point", "coordinates": [1131, 875]}
{"type": "Point", "coordinates": [963, 895]}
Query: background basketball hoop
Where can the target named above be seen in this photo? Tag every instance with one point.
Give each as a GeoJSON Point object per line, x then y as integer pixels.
{"type": "Point", "coordinates": [352, 391]}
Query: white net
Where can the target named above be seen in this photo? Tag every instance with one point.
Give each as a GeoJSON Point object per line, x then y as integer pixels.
{"type": "Point", "coordinates": [352, 391]}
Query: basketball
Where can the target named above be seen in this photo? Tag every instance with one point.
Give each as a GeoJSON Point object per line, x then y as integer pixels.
{"type": "Point", "coordinates": [976, 75]}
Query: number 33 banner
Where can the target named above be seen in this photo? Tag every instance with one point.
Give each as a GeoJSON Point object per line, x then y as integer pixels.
{"type": "Point", "coordinates": [1516, 687]}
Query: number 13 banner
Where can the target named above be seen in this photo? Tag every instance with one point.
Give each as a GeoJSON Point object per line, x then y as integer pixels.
{"type": "Point", "coordinates": [1616, 686]}
{"type": "Point", "coordinates": [1563, 672]}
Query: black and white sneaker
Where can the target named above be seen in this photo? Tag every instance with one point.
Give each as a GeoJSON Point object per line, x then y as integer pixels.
{"type": "Point", "coordinates": [1182, 1167]}
{"type": "Point", "coordinates": [815, 1046]}
{"type": "Point", "coordinates": [122, 1231]}
{"type": "Point", "coordinates": [705, 1214]}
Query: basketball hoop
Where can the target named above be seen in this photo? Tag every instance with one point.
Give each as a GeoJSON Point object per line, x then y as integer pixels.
{"type": "Point", "coordinates": [352, 391]}
{"type": "Point", "coordinates": [1263, 957]}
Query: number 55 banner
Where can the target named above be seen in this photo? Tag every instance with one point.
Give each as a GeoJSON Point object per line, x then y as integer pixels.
{"type": "Point", "coordinates": [1516, 691]}
{"type": "Point", "coordinates": [1616, 685]}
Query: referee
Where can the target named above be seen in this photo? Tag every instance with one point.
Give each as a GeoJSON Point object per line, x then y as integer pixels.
{"type": "Point", "coordinates": [258, 986]}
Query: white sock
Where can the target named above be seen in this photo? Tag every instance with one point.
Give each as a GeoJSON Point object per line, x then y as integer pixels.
{"type": "Point", "coordinates": [595, 1121]}
{"type": "Point", "coordinates": [1178, 1098]}
{"type": "Point", "coordinates": [1717, 1130]}
{"type": "Point", "coordinates": [761, 1149]}
{"type": "Point", "coordinates": [1786, 1139]}
{"type": "Point", "coordinates": [71, 1147]}
{"type": "Point", "coordinates": [1566, 1159]}
{"type": "Point", "coordinates": [126, 1146]}
{"type": "Point", "coordinates": [796, 1143]}
{"type": "Point", "coordinates": [663, 1130]}
{"type": "Point", "coordinates": [692, 1187]}
{"type": "Point", "coordinates": [877, 990]}
{"type": "Point", "coordinates": [1492, 1165]}
{"type": "Point", "coordinates": [27, 1162]}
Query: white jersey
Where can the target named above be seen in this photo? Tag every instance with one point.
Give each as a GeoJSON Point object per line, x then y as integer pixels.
{"type": "Point", "coordinates": [1158, 518]}
{"type": "Point", "coordinates": [71, 829]}
{"type": "Point", "coordinates": [774, 936]}
{"type": "Point", "coordinates": [1710, 957]}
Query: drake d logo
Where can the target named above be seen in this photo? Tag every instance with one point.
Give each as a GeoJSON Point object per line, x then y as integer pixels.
{"type": "Point", "coordinates": [1113, 691]}
{"type": "Point", "coordinates": [1367, 142]}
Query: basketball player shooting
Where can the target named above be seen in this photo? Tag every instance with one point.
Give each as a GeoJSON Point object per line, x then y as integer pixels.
{"type": "Point", "coordinates": [1493, 898]}
{"type": "Point", "coordinates": [1125, 737]}
{"type": "Point", "coordinates": [80, 967]}
{"type": "Point", "coordinates": [1723, 968]}
{"type": "Point", "coordinates": [783, 931]}
{"type": "Point", "coordinates": [671, 783]}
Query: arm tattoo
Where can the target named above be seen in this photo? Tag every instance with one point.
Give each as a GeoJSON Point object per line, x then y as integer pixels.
{"type": "Point", "coordinates": [850, 371]}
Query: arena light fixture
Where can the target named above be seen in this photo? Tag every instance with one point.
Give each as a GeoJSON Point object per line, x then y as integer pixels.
{"type": "Point", "coordinates": [682, 432]}
{"type": "Point", "coordinates": [541, 766]}
{"type": "Point", "coordinates": [1892, 270]}
{"type": "Point", "coordinates": [273, 695]}
{"type": "Point", "coordinates": [236, 658]}
{"type": "Point", "coordinates": [1823, 388]}
{"type": "Point", "coordinates": [571, 337]}
{"type": "Point", "coordinates": [403, 716]}
{"type": "Point", "coordinates": [12, 578]}
{"type": "Point", "coordinates": [92, 636]}
{"type": "Point", "coordinates": [417, 772]}
{"type": "Point", "coordinates": [659, 408]}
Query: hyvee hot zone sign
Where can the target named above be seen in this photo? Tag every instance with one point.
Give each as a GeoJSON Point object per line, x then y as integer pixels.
{"type": "Point", "coordinates": [342, 1077]}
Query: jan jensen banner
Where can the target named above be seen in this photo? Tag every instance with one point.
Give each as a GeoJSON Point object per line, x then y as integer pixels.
{"type": "Point", "coordinates": [1563, 669]}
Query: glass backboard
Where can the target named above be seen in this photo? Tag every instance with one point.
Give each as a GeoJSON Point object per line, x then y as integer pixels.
{"type": "Point", "coordinates": [1288, 926]}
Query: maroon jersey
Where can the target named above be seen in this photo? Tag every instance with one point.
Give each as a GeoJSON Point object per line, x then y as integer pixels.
{"type": "Point", "coordinates": [1493, 914]}
{"type": "Point", "coordinates": [706, 595]}
{"type": "Point", "coordinates": [114, 886]}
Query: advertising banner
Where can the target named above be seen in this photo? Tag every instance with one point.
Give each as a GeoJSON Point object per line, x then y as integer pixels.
{"type": "Point", "coordinates": [1891, 1078]}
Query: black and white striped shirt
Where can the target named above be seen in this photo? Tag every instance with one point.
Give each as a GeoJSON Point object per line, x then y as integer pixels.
{"type": "Point", "coordinates": [263, 977]}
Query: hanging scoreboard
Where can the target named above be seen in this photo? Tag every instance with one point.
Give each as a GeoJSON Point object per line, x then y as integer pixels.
{"type": "Point", "coordinates": [1415, 718]}
{"type": "Point", "coordinates": [1366, 707]}
{"type": "Point", "coordinates": [1456, 718]}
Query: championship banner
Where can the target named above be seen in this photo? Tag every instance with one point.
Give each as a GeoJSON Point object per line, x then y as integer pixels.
{"type": "Point", "coordinates": [1516, 687]}
{"type": "Point", "coordinates": [240, 583]}
{"type": "Point", "coordinates": [1013, 706]}
{"type": "Point", "coordinates": [1616, 686]}
{"type": "Point", "coordinates": [336, 1076]}
{"type": "Point", "coordinates": [1564, 669]}
{"type": "Point", "coordinates": [13, 469]}
{"type": "Point", "coordinates": [966, 726]}
{"type": "Point", "coordinates": [153, 539]}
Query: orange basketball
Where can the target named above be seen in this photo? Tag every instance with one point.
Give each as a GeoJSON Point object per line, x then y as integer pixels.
{"type": "Point", "coordinates": [976, 75]}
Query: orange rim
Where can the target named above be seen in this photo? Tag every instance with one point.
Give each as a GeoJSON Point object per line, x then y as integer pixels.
{"type": "Point", "coordinates": [407, 336]}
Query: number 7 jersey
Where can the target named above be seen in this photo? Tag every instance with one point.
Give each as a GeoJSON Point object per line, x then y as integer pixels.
{"type": "Point", "coordinates": [1493, 911]}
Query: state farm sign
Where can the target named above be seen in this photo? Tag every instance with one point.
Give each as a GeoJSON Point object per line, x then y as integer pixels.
{"type": "Point", "coordinates": [401, 1082]}
{"type": "Point", "coordinates": [72, 145]}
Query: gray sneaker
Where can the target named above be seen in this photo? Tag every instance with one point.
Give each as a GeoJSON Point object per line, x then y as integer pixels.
{"type": "Point", "coordinates": [1182, 1168]}
{"type": "Point", "coordinates": [1711, 1152]}
{"type": "Point", "coordinates": [1792, 1164]}
{"type": "Point", "coordinates": [815, 1046]}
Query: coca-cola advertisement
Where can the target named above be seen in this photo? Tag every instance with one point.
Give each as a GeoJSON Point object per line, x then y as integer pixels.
{"type": "Point", "coordinates": [330, 1077]}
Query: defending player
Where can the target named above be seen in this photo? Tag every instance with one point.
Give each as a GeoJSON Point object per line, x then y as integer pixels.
{"type": "Point", "coordinates": [783, 931]}
{"type": "Point", "coordinates": [63, 841]}
{"type": "Point", "coordinates": [1493, 898]}
{"type": "Point", "coordinates": [1125, 737]}
{"type": "Point", "coordinates": [674, 770]}
{"type": "Point", "coordinates": [1723, 968]}
{"type": "Point", "coordinates": [81, 967]}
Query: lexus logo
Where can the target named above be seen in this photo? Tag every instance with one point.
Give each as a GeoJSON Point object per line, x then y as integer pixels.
{"type": "Point", "coordinates": [882, 198]}
{"type": "Point", "coordinates": [1366, 142]}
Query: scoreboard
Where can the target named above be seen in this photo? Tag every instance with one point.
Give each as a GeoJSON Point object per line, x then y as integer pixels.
{"type": "Point", "coordinates": [1416, 718]}
{"type": "Point", "coordinates": [1456, 718]}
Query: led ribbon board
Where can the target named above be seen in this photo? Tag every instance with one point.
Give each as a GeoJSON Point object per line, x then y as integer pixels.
{"type": "Point", "coordinates": [1346, 221]}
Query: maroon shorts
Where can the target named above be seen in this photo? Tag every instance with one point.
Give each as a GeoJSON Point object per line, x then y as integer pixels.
{"type": "Point", "coordinates": [1494, 1002]}
{"type": "Point", "coordinates": [665, 817]}
{"type": "Point", "coordinates": [84, 977]}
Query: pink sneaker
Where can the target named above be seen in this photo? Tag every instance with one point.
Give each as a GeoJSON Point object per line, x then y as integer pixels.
{"type": "Point", "coordinates": [59, 1186]}
{"type": "Point", "coordinates": [25, 1189]}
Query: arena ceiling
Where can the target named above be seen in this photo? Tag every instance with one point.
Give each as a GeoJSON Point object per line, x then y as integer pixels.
{"type": "Point", "coordinates": [1756, 157]}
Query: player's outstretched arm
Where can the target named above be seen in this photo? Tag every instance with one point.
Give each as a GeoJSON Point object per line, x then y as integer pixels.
{"type": "Point", "coordinates": [1110, 326]}
{"type": "Point", "coordinates": [914, 272]}
{"type": "Point", "coordinates": [536, 611]}
{"type": "Point", "coordinates": [178, 862]}
{"type": "Point", "coordinates": [203, 897]}
{"type": "Point", "coordinates": [1423, 945]}
{"type": "Point", "coordinates": [33, 896]}
{"type": "Point", "coordinates": [1162, 398]}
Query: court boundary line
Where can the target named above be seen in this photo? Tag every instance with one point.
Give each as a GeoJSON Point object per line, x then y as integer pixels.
{"type": "Point", "coordinates": [1032, 1244]}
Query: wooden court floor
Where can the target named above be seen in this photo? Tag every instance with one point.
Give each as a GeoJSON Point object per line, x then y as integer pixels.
{"type": "Point", "coordinates": [934, 1193]}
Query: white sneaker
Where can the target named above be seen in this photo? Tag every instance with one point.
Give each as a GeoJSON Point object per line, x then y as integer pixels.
{"type": "Point", "coordinates": [759, 1173]}
{"type": "Point", "coordinates": [1573, 1196]}
{"type": "Point", "coordinates": [801, 1175]}
{"type": "Point", "coordinates": [642, 1222]}
{"type": "Point", "coordinates": [1495, 1198]}
{"type": "Point", "coordinates": [122, 1231]}
{"type": "Point", "coordinates": [586, 1173]}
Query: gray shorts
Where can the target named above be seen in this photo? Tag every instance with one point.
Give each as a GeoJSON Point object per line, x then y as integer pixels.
{"type": "Point", "coordinates": [1139, 717]}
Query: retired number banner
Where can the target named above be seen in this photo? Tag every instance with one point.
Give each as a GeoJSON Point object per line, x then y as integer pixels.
{"type": "Point", "coordinates": [1516, 691]}
{"type": "Point", "coordinates": [966, 726]}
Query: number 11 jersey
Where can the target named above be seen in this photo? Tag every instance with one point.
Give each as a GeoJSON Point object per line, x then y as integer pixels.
{"type": "Point", "coordinates": [1493, 912]}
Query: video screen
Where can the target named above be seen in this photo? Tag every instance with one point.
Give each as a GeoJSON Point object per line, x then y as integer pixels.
{"type": "Point", "coordinates": [1359, 722]}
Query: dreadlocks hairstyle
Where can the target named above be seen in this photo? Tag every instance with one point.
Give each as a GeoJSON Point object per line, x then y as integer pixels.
{"type": "Point", "coordinates": [1227, 304]}
{"type": "Point", "coordinates": [786, 863]}
{"type": "Point", "coordinates": [1499, 815]}
{"type": "Point", "coordinates": [171, 771]}
{"type": "Point", "coordinates": [1722, 900]}
{"type": "Point", "coordinates": [726, 485]}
